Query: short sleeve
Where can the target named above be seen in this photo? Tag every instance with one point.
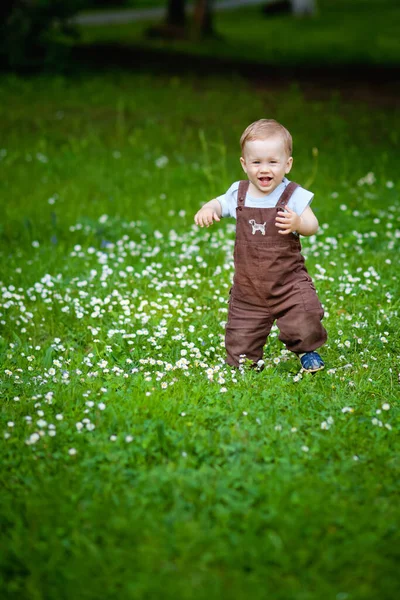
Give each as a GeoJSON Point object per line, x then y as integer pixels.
{"type": "Point", "coordinates": [300, 199]}
{"type": "Point", "coordinates": [228, 201]}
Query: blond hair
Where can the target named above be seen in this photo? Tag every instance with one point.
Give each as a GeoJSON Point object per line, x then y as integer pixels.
{"type": "Point", "coordinates": [265, 128]}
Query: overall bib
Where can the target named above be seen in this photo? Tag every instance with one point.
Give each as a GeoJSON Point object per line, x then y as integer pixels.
{"type": "Point", "coordinates": [271, 283]}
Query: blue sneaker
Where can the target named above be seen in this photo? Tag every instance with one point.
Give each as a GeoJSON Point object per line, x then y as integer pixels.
{"type": "Point", "coordinates": [311, 362]}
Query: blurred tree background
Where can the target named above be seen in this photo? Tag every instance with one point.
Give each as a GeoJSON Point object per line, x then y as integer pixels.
{"type": "Point", "coordinates": [31, 31]}
{"type": "Point", "coordinates": [37, 33]}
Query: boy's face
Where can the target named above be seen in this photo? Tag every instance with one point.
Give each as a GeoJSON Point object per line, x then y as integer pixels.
{"type": "Point", "coordinates": [265, 163]}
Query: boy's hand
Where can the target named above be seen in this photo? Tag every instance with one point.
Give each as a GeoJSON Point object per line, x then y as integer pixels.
{"type": "Point", "coordinates": [288, 221]}
{"type": "Point", "coordinates": [206, 216]}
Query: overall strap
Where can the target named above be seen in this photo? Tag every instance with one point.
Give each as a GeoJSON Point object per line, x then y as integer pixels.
{"type": "Point", "coordinates": [242, 191]}
{"type": "Point", "coordinates": [287, 194]}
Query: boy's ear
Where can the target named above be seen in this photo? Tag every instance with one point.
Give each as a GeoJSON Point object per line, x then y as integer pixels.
{"type": "Point", "coordinates": [243, 163]}
{"type": "Point", "coordinates": [289, 164]}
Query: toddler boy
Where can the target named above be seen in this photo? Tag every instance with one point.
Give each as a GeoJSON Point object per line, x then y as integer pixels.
{"type": "Point", "coordinates": [271, 282]}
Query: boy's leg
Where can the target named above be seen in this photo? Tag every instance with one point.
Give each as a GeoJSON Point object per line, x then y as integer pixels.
{"type": "Point", "coordinates": [299, 320]}
{"type": "Point", "coordinates": [248, 326]}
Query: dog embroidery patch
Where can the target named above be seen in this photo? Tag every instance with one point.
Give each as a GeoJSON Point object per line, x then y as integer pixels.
{"type": "Point", "coordinates": [257, 227]}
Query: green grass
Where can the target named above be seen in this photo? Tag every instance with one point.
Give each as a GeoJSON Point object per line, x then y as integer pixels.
{"type": "Point", "coordinates": [361, 32]}
{"type": "Point", "coordinates": [112, 310]}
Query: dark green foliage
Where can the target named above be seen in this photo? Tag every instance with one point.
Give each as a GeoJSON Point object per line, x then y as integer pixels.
{"type": "Point", "coordinates": [31, 29]}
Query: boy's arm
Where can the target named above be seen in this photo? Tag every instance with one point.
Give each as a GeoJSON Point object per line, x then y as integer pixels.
{"type": "Point", "coordinates": [210, 212]}
{"type": "Point", "coordinates": [289, 221]}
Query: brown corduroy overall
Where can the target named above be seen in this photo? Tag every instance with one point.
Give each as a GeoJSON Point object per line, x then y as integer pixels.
{"type": "Point", "coordinates": [270, 283]}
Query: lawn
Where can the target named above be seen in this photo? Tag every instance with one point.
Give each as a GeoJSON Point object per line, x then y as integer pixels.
{"type": "Point", "coordinates": [134, 463]}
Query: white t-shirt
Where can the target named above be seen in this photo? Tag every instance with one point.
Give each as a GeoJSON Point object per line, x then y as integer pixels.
{"type": "Point", "coordinates": [299, 200]}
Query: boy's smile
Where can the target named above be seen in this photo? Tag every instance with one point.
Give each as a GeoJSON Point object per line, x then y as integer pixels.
{"type": "Point", "coordinates": [265, 163]}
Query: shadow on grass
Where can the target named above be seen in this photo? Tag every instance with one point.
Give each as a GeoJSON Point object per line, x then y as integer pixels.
{"type": "Point", "coordinates": [135, 57]}
{"type": "Point", "coordinates": [359, 81]}
{"type": "Point", "coordinates": [373, 84]}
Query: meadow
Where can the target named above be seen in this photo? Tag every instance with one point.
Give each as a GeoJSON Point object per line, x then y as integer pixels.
{"type": "Point", "coordinates": [134, 463]}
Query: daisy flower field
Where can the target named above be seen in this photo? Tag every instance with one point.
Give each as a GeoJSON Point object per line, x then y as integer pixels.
{"type": "Point", "coordinates": [134, 462]}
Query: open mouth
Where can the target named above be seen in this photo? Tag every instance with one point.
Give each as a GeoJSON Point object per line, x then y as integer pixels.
{"type": "Point", "coordinates": [265, 180]}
